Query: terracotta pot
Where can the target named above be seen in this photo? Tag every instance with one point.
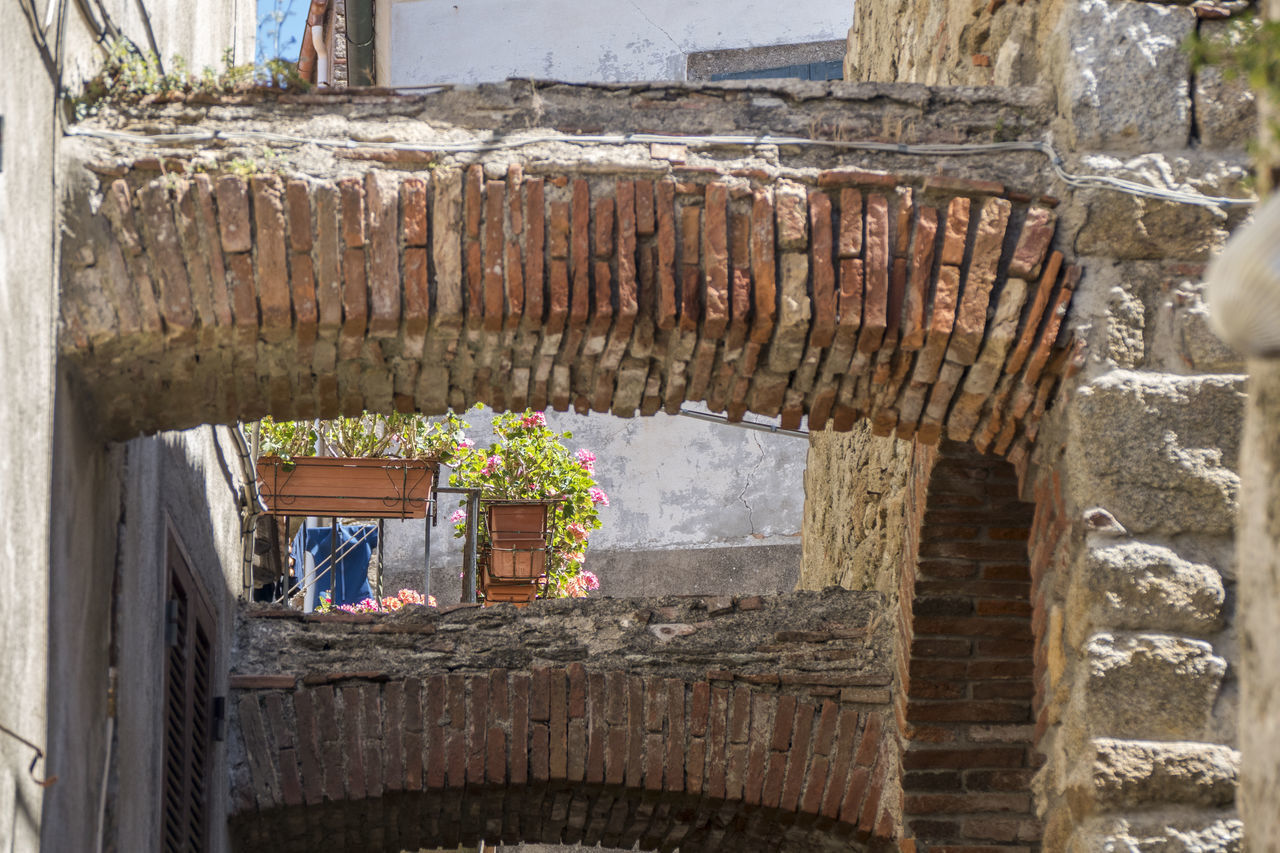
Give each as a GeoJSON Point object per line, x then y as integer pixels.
{"type": "Point", "coordinates": [495, 590]}
{"type": "Point", "coordinates": [352, 488]}
{"type": "Point", "coordinates": [519, 539]}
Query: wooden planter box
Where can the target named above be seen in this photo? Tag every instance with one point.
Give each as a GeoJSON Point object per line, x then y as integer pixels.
{"type": "Point", "coordinates": [352, 488]}
{"type": "Point", "coordinates": [519, 539]}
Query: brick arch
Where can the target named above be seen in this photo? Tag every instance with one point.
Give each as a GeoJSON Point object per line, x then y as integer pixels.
{"type": "Point", "coordinates": [559, 754]}
{"type": "Point", "coordinates": [928, 306]}
{"type": "Point", "coordinates": [969, 663]}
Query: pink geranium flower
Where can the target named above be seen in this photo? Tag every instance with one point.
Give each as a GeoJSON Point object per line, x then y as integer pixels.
{"type": "Point", "coordinates": [493, 463]}
{"type": "Point", "coordinates": [578, 531]}
{"type": "Point", "coordinates": [459, 515]}
{"type": "Point", "coordinates": [587, 460]}
{"type": "Point", "coordinates": [598, 496]}
{"type": "Point", "coordinates": [534, 419]}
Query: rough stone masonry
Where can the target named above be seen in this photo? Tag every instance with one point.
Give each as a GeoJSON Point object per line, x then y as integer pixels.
{"type": "Point", "coordinates": [700, 723]}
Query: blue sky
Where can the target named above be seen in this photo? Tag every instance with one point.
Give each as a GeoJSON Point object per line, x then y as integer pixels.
{"type": "Point", "coordinates": [280, 25]}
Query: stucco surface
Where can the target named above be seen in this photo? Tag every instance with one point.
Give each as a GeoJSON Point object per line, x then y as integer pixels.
{"type": "Point", "coordinates": [26, 423]}
{"type": "Point", "coordinates": [673, 483]}
{"type": "Point", "coordinates": [438, 42]}
{"type": "Point", "coordinates": [57, 479]}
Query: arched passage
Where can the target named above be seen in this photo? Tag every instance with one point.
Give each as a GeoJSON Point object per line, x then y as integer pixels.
{"type": "Point", "coordinates": [970, 662]}
{"type": "Point", "coordinates": [699, 723]}
{"type": "Point", "coordinates": [842, 289]}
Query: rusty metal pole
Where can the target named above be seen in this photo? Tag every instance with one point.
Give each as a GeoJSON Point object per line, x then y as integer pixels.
{"type": "Point", "coordinates": [469, 556]}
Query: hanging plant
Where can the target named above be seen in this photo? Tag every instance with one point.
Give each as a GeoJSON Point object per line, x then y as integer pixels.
{"type": "Point", "coordinates": [529, 461]}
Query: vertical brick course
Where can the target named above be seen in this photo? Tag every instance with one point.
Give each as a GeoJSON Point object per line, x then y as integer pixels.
{"type": "Point", "coordinates": [608, 293]}
{"type": "Point", "coordinates": [969, 656]}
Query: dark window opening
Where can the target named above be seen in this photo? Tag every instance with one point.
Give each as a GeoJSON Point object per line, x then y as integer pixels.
{"type": "Point", "coordinates": [188, 735]}
{"type": "Point", "coordinates": [832, 70]}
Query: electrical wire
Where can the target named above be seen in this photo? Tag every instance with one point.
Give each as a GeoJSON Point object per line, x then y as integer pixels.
{"type": "Point", "coordinates": [1108, 182]}
{"type": "Point", "coordinates": [755, 425]}
{"type": "Point", "coordinates": [39, 756]}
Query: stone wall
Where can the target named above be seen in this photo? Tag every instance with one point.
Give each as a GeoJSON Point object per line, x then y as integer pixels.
{"type": "Point", "coordinates": [702, 723]}
{"type": "Point", "coordinates": [1134, 470]}
{"type": "Point", "coordinates": [857, 511]}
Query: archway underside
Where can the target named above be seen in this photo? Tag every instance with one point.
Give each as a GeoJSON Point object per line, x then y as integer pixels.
{"type": "Point", "coordinates": [612, 816]}
{"type": "Point", "coordinates": [930, 305]}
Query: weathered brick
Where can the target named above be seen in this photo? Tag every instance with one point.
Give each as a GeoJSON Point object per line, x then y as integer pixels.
{"type": "Point", "coordinates": [913, 319]}
{"type": "Point", "coordinates": [905, 209]}
{"type": "Point", "coordinates": [849, 244]}
{"type": "Point", "coordinates": [842, 761]}
{"type": "Point", "coordinates": [355, 300]}
{"type": "Point", "coordinates": [173, 284]}
{"type": "Point", "coordinates": [233, 214]}
{"type": "Point", "coordinates": [846, 176]}
{"type": "Point", "coordinates": [559, 723]}
{"type": "Point", "coordinates": [190, 227]}
{"type": "Point", "coordinates": [473, 204]}
{"type": "Point", "coordinates": [875, 307]}
{"type": "Point", "coordinates": [985, 372]}
{"type": "Point", "coordinates": [797, 759]}
{"type": "Point", "coordinates": [956, 232]}
{"type": "Point", "coordinates": [535, 238]}
{"type": "Point", "coordinates": [381, 210]}
{"type": "Point", "coordinates": [791, 210]}
{"type": "Point", "coordinates": [971, 315]}
{"type": "Point", "coordinates": [793, 313]}
{"type": "Point", "coordinates": [645, 222]}
{"type": "Point", "coordinates": [673, 780]}
{"type": "Point", "coordinates": [822, 270]}
{"type": "Point", "coordinates": [715, 243]}
{"type": "Point", "coordinates": [1033, 242]}
{"type": "Point", "coordinates": [665, 316]}
{"type": "Point", "coordinates": [762, 267]}
{"type": "Point", "coordinates": [495, 203]}
{"type": "Point", "coordinates": [518, 754]}
{"type": "Point", "coordinates": [446, 250]}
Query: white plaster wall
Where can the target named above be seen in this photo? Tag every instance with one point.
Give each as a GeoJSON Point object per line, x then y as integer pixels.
{"type": "Point", "coordinates": [52, 669]}
{"type": "Point", "coordinates": [472, 41]}
{"type": "Point", "coordinates": [28, 306]}
{"type": "Point", "coordinates": [673, 483]}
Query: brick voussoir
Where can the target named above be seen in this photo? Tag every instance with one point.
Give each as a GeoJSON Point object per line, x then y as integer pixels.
{"type": "Point", "coordinates": [779, 298]}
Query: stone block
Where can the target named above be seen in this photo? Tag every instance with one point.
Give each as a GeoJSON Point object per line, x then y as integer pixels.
{"type": "Point", "coordinates": [1137, 585]}
{"type": "Point", "coordinates": [1181, 835]}
{"type": "Point", "coordinates": [1158, 451]}
{"type": "Point", "coordinates": [1226, 111]}
{"type": "Point", "coordinates": [1123, 75]}
{"type": "Point", "coordinates": [1194, 344]}
{"type": "Point", "coordinates": [1129, 774]}
{"type": "Point", "coordinates": [1151, 685]}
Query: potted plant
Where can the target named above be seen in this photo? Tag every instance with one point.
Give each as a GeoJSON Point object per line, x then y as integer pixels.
{"type": "Point", "coordinates": [377, 466]}
{"type": "Point", "coordinates": [539, 505]}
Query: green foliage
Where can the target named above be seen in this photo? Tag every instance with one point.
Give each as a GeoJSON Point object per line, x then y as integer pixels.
{"type": "Point", "coordinates": [394, 435]}
{"type": "Point", "coordinates": [129, 74]}
{"type": "Point", "coordinates": [529, 461]}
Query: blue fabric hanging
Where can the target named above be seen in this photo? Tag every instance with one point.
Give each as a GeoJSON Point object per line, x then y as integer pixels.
{"type": "Point", "coordinates": [352, 584]}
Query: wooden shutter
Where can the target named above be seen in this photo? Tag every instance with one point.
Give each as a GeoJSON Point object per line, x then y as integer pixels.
{"type": "Point", "coordinates": [188, 741]}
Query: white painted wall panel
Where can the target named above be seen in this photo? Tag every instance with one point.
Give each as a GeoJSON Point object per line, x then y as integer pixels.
{"type": "Point", "coordinates": [471, 41]}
